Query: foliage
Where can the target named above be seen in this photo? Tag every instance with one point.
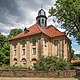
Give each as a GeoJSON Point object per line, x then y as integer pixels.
{"type": "Point", "coordinates": [67, 13]}
{"type": "Point", "coordinates": [51, 63]}
{"type": "Point", "coordinates": [3, 39]}
{"type": "Point", "coordinates": [73, 56]}
{"type": "Point", "coordinates": [5, 46]}
{"type": "Point", "coordinates": [14, 32]}
{"type": "Point", "coordinates": [76, 64]}
{"type": "Point", "coordinates": [4, 50]}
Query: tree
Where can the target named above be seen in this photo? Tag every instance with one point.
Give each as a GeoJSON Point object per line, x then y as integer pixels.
{"type": "Point", "coordinates": [14, 32]}
{"type": "Point", "coordinates": [4, 50]}
{"type": "Point", "coordinates": [67, 13]}
{"type": "Point", "coordinates": [6, 53]}
{"type": "Point", "coordinates": [3, 39]}
{"type": "Point", "coordinates": [73, 56]}
{"type": "Point", "coordinates": [51, 63]}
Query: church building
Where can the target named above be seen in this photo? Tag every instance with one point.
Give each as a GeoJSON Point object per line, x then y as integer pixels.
{"type": "Point", "coordinates": [38, 40]}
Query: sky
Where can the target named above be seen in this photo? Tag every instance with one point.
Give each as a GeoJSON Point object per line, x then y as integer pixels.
{"type": "Point", "coordinates": [22, 13]}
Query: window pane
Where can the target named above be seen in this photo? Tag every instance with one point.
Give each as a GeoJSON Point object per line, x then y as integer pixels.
{"type": "Point", "coordinates": [34, 41]}
{"type": "Point", "coordinates": [34, 51]}
{"type": "Point", "coordinates": [14, 52]}
{"type": "Point", "coordinates": [15, 44]}
{"type": "Point", "coordinates": [42, 20]}
{"type": "Point", "coordinates": [23, 52]}
{"type": "Point", "coordinates": [39, 21]}
{"type": "Point", "coordinates": [23, 43]}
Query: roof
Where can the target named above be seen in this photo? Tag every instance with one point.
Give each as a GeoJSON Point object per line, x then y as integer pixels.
{"type": "Point", "coordinates": [73, 61]}
{"type": "Point", "coordinates": [50, 31]}
{"type": "Point", "coordinates": [53, 32]}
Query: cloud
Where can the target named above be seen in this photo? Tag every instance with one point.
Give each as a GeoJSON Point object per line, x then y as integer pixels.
{"type": "Point", "coordinates": [20, 13]}
{"type": "Point", "coordinates": [77, 52]}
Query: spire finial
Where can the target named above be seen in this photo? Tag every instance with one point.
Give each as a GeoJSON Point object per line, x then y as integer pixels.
{"type": "Point", "coordinates": [41, 6]}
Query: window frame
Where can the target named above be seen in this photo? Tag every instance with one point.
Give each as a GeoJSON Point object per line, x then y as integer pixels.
{"type": "Point", "coordinates": [34, 51]}
{"type": "Point", "coordinates": [15, 44]}
{"type": "Point", "coordinates": [23, 51]}
{"type": "Point", "coordinates": [42, 21]}
{"type": "Point", "coordinates": [23, 43]}
{"type": "Point", "coordinates": [34, 41]}
{"type": "Point", "coordinates": [14, 52]}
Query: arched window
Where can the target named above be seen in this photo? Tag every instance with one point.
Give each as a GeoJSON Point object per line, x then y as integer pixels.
{"type": "Point", "coordinates": [15, 61]}
{"type": "Point", "coordinates": [33, 61]}
{"type": "Point", "coordinates": [39, 21]}
{"type": "Point", "coordinates": [24, 62]}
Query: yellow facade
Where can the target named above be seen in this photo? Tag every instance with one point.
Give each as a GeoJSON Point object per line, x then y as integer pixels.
{"type": "Point", "coordinates": [26, 51]}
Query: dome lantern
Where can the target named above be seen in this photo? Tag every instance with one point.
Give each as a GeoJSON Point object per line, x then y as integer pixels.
{"type": "Point", "coordinates": [41, 19]}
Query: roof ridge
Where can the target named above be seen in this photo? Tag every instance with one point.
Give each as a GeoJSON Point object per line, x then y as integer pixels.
{"type": "Point", "coordinates": [38, 27]}
{"type": "Point", "coordinates": [31, 26]}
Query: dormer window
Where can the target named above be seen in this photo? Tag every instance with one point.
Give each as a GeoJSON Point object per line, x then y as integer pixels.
{"type": "Point", "coordinates": [26, 30]}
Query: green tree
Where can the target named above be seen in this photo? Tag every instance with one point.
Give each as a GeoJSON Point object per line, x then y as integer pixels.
{"type": "Point", "coordinates": [67, 13]}
{"type": "Point", "coordinates": [3, 39]}
{"type": "Point", "coordinates": [51, 63]}
{"type": "Point", "coordinates": [4, 50]}
{"type": "Point", "coordinates": [14, 32]}
{"type": "Point", "coordinates": [6, 53]}
{"type": "Point", "coordinates": [73, 56]}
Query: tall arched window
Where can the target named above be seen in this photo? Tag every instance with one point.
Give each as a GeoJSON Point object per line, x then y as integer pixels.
{"type": "Point", "coordinates": [39, 21]}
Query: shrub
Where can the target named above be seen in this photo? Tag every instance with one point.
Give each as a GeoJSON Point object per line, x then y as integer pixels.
{"type": "Point", "coordinates": [51, 63]}
{"type": "Point", "coordinates": [76, 64]}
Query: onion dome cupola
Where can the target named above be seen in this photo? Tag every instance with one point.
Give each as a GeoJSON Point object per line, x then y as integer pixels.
{"type": "Point", "coordinates": [41, 19]}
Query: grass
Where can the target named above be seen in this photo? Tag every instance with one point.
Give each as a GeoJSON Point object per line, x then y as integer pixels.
{"type": "Point", "coordinates": [12, 67]}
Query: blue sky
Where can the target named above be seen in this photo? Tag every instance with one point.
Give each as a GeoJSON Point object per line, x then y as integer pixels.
{"type": "Point", "coordinates": [22, 13]}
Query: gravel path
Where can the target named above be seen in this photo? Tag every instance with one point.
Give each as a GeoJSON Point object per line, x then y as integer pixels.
{"type": "Point", "coordinates": [4, 78]}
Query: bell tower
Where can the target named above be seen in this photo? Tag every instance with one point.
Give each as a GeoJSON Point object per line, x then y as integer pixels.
{"type": "Point", "coordinates": [41, 19]}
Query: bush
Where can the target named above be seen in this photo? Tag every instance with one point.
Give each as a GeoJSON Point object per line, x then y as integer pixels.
{"type": "Point", "coordinates": [51, 63]}
{"type": "Point", "coordinates": [76, 64]}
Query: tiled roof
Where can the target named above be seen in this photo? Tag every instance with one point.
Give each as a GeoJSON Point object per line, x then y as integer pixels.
{"type": "Point", "coordinates": [73, 61]}
{"type": "Point", "coordinates": [50, 31]}
{"type": "Point", "coordinates": [53, 32]}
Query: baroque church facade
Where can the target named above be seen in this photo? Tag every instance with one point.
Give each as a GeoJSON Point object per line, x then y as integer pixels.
{"type": "Point", "coordinates": [38, 40]}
